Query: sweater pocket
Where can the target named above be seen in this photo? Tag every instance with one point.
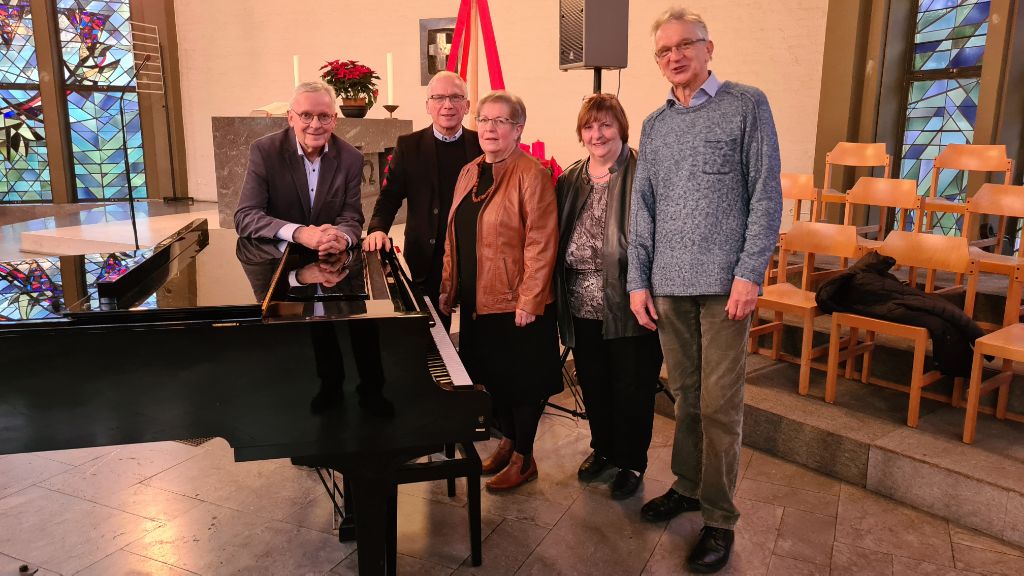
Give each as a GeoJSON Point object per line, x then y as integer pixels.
{"type": "Point", "coordinates": [720, 156]}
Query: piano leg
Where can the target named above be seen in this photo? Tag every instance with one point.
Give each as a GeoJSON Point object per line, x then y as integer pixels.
{"type": "Point", "coordinates": [473, 498]}
{"type": "Point", "coordinates": [449, 453]}
{"type": "Point", "coordinates": [372, 538]}
{"type": "Point", "coordinates": [392, 550]}
{"type": "Point", "coordinates": [347, 529]}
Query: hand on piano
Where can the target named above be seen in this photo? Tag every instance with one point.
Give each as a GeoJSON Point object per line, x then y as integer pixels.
{"type": "Point", "coordinates": [375, 241]}
{"type": "Point", "coordinates": [523, 317]}
{"type": "Point", "coordinates": [325, 239]}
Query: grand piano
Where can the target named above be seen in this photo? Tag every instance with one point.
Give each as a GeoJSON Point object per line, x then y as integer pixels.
{"type": "Point", "coordinates": [208, 334]}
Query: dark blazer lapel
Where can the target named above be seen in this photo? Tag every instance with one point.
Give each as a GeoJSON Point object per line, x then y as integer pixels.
{"type": "Point", "coordinates": [329, 164]}
{"type": "Point", "coordinates": [290, 152]}
{"type": "Point", "coordinates": [428, 151]}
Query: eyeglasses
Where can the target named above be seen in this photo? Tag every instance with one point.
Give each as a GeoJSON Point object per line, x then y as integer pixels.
{"type": "Point", "coordinates": [499, 122]}
{"type": "Point", "coordinates": [455, 99]}
{"type": "Point", "coordinates": [307, 118]}
{"type": "Point", "coordinates": [684, 47]}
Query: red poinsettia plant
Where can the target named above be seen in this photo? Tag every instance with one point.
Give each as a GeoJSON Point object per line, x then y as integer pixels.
{"type": "Point", "coordinates": [350, 79]}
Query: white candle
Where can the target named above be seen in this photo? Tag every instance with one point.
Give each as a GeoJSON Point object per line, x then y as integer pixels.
{"type": "Point", "coordinates": [295, 68]}
{"type": "Point", "coordinates": [391, 75]}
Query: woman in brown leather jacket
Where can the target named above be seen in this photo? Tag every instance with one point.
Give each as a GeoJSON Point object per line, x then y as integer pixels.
{"type": "Point", "coordinates": [499, 254]}
{"type": "Point", "coordinates": [617, 360]}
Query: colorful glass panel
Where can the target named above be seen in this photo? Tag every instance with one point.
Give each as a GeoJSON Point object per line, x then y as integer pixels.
{"type": "Point", "coordinates": [950, 33]}
{"type": "Point", "coordinates": [98, 63]}
{"type": "Point", "coordinates": [939, 112]}
{"type": "Point", "coordinates": [97, 145]}
{"type": "Point", "coordinates": [30, 290]}
{"type": "Point", "coordinates": [96, 42]}
{"type": "Point", "coordinates": [17, 44]}
{"type": "Point", "coordinates": [24, 169]}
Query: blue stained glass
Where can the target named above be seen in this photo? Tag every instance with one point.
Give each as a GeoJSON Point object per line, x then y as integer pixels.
{"type": "Point", "coordinates": [950, 34]}
{"type": "Point", "coordinates": [96, 42]}
{"type": "Point", "coordinates": [30, 289]}
{"type": "Point", "coordinates": [96, 138]}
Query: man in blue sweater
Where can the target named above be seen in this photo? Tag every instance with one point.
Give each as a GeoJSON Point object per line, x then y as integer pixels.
{"type": "Point", "coordinates": [707, 202]}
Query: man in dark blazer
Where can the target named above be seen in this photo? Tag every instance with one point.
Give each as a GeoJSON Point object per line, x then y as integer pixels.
{"type": "Point", "coordinates": [303, 185]}
{"type": "Point", "coordinates": [423, 171]}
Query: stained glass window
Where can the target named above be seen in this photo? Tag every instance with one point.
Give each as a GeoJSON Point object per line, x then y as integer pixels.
{"type": "Point", "coordinates": [30, 290]}
{"type": "Point", "coordinates": [24, 169]}
{"type": "Point", "coordinates": [943, 90]}
{"type": "Point", "coordinates": [96, 46]}
{"type": "Point", "coordinates": [950, 33]}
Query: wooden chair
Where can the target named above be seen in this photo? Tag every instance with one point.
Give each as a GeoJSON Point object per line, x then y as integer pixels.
{"type": "Point", "coordinates": [810, 238]}
{"type": "Point", "coordinates": [885, 193]}
{"type": "Point", "coordinates": [799, 189]}
{"type": "Point", "coordinates": [1006, 344]}
{"type": "Point", "coordinates": [1006, 202]}
{"type": "Point", "coordinates": [931, 252]}
{"type": "Point", "coordinates": [967, 158]}
{"type": "Point", "coordinates": [850, 154]}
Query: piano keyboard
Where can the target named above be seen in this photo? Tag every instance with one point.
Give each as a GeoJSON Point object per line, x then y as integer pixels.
{"type": "Point", "coordinates": [445, 366]}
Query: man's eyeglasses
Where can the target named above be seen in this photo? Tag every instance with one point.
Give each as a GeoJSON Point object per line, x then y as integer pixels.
{"type": "Point", "coordinates": [684, 47]}
{"type": "Point", "coordinates": [455, 99]}
{"type": "Point", "coordinates": [499, 122]}
{"type": "Point", "coordinates": [307, 118]}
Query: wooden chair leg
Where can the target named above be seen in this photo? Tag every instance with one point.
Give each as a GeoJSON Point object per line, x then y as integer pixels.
{"type": "Point", "coordinates": [832, 372]}
{"type": "Point", "coordinates": [973, 400]}
{"type": "Point", "coordinates": [917, 382]}
{"type": "Point", "coordinates": [957, 399]}
{"type": "Point", "coordinates": [805, 355]}
{"type": "Point", "coordinates": [865, 369]}
{"type": "Point", "coordinates": [777, 337]}
{"type": "Point", "coordinates": [851, 358]}
{"type": "Point", "coordinates": [1004, 392]}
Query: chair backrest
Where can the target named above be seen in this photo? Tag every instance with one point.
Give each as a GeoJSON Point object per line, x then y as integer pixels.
{"type": "Point", "coordinates": [998, 200]}
{"type": "Point", "coordinates": [813, 238]}
{"type": "Point", "coordinates": [853, 154]}
{"type": "Point", "coordinates": [798, 186]}
{"type": "Point", "coordinates": [884, 193]}
{"type": "Point", "coordinates": [934, 253]}
{"type": "Point", "coordinates": [858, 154]}
{"type": "Point", "coordinates": [975, 157]}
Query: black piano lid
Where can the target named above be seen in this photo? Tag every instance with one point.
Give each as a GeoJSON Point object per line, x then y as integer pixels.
{"type": "Point", "coordinates": [198, 275]}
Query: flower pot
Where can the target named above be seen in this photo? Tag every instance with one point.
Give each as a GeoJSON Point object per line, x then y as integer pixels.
{"type": "Point", "coordinates": [354, 107]}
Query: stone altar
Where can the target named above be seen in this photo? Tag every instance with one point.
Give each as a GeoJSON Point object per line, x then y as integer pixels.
{"type": "Point", "coordinates": [232, 135]}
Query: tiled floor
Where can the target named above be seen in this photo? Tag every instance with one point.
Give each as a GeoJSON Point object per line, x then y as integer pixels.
{"type": "Point", "coordinates": [171, 509]}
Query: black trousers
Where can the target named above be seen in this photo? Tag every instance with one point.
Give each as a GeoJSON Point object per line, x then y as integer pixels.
{"type": "Point", "coordinates": [619, 379]}
{"type": "Point", "coordinates": [431, 288]}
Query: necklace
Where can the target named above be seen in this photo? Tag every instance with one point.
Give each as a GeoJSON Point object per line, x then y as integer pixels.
{"type": "Point", "coordinates": [598, 176]}
{"type": "Point", "coordinates": [476, 185]}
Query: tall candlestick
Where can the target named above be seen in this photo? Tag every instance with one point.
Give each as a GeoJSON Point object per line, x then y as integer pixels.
{"type": "Point", "coordinates": [391, 76]}
{"type": "Point", "coordinates": [295, 68]}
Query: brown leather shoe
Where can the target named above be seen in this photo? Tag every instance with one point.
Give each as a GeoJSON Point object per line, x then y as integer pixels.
{"type": "Point", "coordinates": [511, 477]}
{"type": "Point", "coordinates": [498, 460]}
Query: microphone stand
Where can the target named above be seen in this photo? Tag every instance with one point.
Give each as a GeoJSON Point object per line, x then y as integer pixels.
{"type": "Point", "coordinates": [124, 149]}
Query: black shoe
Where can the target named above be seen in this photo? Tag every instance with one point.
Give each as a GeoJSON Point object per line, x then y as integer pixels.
{"type": "Point", "coordinates": [711, 553]}
{"type": "Point", "coordinates": [625, 484]}
{"type": "Point", "coordinates": [592, 467]}
{"type": "Point", "coordinates": [376, 405]}
{"type": "Point", "coordinates": [668, 506]}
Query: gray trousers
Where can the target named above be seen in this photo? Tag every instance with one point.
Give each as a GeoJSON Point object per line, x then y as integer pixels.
{"type": "Point", "coordinates": [706, 355]}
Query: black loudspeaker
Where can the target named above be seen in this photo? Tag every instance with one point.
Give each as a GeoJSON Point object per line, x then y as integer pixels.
{"type": "Point", "coordinates": [593, 34]}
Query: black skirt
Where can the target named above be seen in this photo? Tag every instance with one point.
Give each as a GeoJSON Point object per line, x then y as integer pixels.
{"type": "Point", "coordinates": [515, 365]}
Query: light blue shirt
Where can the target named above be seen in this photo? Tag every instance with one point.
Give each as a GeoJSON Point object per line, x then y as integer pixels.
{"type": "Point", "coordinates": [706, 92]}
{"type": "Point", "coordinates": [444, 138]}
{"type": "Point", "coordinates": [287, 232]}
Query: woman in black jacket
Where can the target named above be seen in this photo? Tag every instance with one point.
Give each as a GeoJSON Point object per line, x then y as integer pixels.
{"type": "Point", "coordinates": [617, 360]}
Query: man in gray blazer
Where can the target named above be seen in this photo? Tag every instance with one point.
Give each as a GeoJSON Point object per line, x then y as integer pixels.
{"type": "Point", "coordinates": [303, 183]}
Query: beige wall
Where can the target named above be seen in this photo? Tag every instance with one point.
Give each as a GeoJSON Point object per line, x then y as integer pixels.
{"type": "Point", "coordinates": [236, 56]}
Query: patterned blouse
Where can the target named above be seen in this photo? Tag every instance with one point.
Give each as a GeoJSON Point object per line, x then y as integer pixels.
{"type": "Point", "coordinates": [584, 269]}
